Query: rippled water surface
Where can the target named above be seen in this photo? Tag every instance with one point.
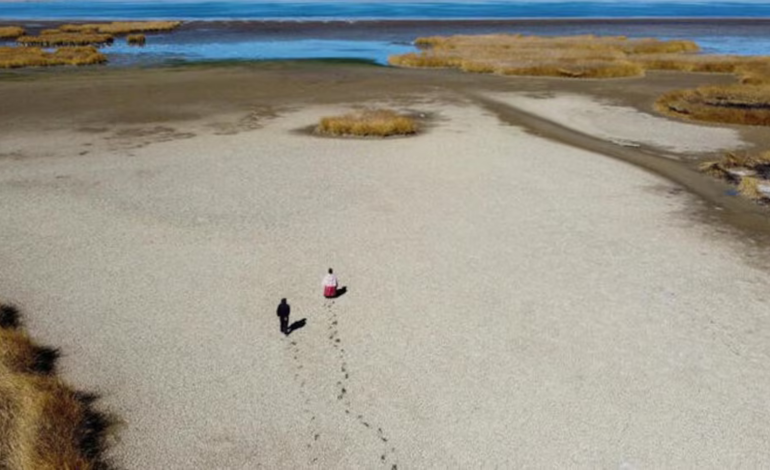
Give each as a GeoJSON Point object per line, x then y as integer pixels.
{"type": "Point", "coordinates": [315, 9]}
{"type": "Point", "coordinates": [247, 30]}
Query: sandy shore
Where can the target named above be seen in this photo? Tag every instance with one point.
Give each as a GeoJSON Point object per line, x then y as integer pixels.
{"type": "Point", "coordinates": [513, 301]}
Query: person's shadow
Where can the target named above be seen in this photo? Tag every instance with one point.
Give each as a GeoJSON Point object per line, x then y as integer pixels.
{"type": "Point", "coordinates": [341, 291]}
{"type": "Point", "coordinates": [296, 326]}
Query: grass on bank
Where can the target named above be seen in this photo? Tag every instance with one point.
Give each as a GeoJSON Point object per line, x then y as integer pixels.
{"type": "Point", "coordinates": [96, 34]}
{"type": "Point", "coordinates": [754, 188]}
{"type": "Point", "coordinates": [121, 27]}
{"type": "Point", "coordinates": [76, 42]}
{"type": "Point", "coordinates": [52, 38]}
{"type": "Point", "coordinates": [732, 104]}
{"type": "Point", "coordinates": [16, 57]}
{"type": "Point", "coordinates": [368, 123]}
{"type": "Point", "coordinates": [44, 424]}
{"type": "Point", "coordinates": [746, 102]}
{"type": "Point", "coordinates": [754, 74]}
{"type": "Point", "coordinates": [11, 32]}
{"type": "Point", "coordinates": [566, 56]}
{"type": "Point", "coordinates": [750, 171]}
{"type": "Point", "coordinates": [136, 39]}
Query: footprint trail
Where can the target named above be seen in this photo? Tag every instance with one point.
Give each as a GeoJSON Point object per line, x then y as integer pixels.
{"type": "Point", "coordinates": [388, 454]}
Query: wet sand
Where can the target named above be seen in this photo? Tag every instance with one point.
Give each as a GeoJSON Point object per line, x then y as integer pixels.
{"type": "Point", "coordinates": [515, 297]}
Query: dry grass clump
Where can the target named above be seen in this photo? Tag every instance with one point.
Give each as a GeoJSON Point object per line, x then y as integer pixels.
{"type": "Point", "coordinates": [136, 39]}
{"type": "Point", "coordinates": [96, 34]}
{"type": "Point", "coordinates": [15, 57]}
{"type": "Point", "coordinates": [733, 104]}
{"type": "Point", "coordinates": [656, 46]}
{"type": "Point", "coordinates": [734, 164]}
{"type": "Point", "coordinates": [754, 188]}
{"type": "Point", "coordinates": [121, 27]}
{"type": "Point", "coordinates": [569, 56]}
{"type": "Point", "coordinates": [692, 62]}
{"type": "Point", "coordinates": [747, 102]}
{"type": "Point", "coordinates": [44, 424]}
{"type": "Point", "coordinates": [577, 70]}
{"type": "Point", "coordinates": [750, 171]}
{"type": "Point", "coordinates": [368, 123]}
{"type": "Point", "coordinates": [426, 60]}
{"type": "Point", "coordinates": [72, 40]}
{"type": "Point", "coordinates": [54, 39]}
{"type": "Point", "coordinates": [754, 73]}
{"type": "Point", "coordinates": [10, 32]}
{"type": "Point", "coordinates": [610, 57]}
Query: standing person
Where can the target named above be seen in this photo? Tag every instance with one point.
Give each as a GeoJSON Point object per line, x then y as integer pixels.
{"type": "Point", "coordinates": [283, 313]}
{"type": "Point", "coordinates": [330, 285]}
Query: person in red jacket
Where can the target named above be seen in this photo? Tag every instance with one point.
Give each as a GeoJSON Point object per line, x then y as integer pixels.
{"type": "Point", "coordinates": [330, 285]}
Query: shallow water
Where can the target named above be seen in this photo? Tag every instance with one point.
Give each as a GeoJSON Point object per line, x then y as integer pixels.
{"type": "Point", "coordinates": [257, 33]}
{"type": "Point", "coordinates": [375, 41]}
{"type": "Point", "coordinates": [255, 49]}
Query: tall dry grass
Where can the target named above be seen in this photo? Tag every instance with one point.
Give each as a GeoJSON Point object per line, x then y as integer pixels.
{"type": "Point", "coordinates": [588, 56]}
{"type": "Point", "coordinates": [368, 123]}
{"type": "Point", "coordinates": [11, 32]}
{"type": "Point", "coordinates": [121, 27]}
{"type": "Point", "coordinates": [44, 424]}
{"type": "Point", "coordinates": [754, 73]}
{"type": "Point", "coordinates": [56, 39]}
{"type": "Point", "coordinates": [96, 34]}
{"type": "Point", "coordinates": [72, 40]}
{"type": "Point", "coordinates": [585, 56]}
{"type": "Point", "coordinates": [735, 164]}
{"type": "Point", "coordinates": [749, 171]}
{"type": "Point", "coordinates": [747, 102]}
{"type": "Point", "coordinates": [16, 57]}
{"type": "Point", "coordinates": [733, 104]}
{"type": "Point", "coordinates": [136, 39]}
{"type": "Point", "coordinates": [754, 188]}
{"type": "Point", "coordinates": [692, 63]}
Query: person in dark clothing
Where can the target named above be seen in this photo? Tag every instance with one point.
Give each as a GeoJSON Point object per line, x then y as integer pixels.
{"type": "Point", "coordinates": [283, 313]}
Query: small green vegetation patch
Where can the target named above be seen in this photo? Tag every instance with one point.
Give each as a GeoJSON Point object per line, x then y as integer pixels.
{"type": "Point", "coordinates": [368, 123]}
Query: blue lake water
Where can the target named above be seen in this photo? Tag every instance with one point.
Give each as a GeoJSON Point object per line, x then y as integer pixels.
{"type": "Point", "coordinates": [347, 9]}
{"type": "Point", "coordinates": [247, 30]}
{"type": "Point", "coordinates": [250, 49]}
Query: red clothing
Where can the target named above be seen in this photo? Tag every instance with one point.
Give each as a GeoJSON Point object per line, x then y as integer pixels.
{"type": "Point", "coordinates": [330, 291]}
{"type": "Point", "coordinates": [330, 286]}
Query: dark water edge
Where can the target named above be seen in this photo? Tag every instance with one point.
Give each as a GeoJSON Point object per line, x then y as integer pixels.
{"type": "Point", "coordinates": [266, 63]}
